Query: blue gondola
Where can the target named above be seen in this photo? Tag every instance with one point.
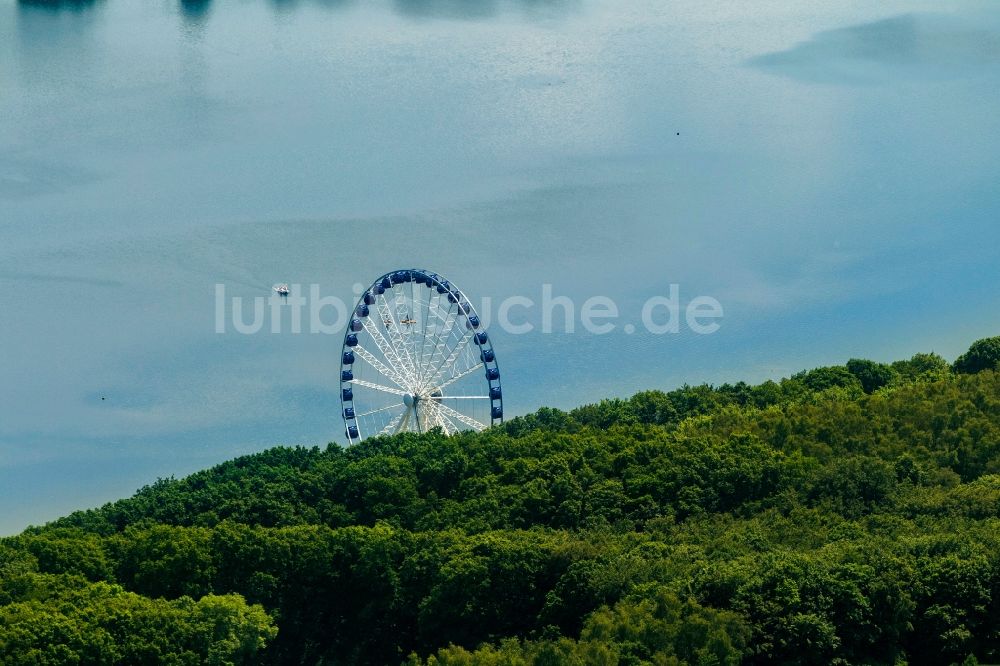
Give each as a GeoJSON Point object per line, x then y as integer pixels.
{"type": "Point", "coordinates": [357, 325]}
{"type": "Point", "coordinates": [443, 287]}
{"type": "Point", "coordinates": [348, 358]}
{"type": "Point", "coordinates": [352, 432]}
{"type": "Point", "coordinates": [369, 298]}
{"type": "Point", "coordinates": [362, 310]}
{"type": "Point", "coordinates": [481, 337]}
{"type": "Point", "coordinates": [487, 355]}
{"type": "Point", "coordinates": [495, 393]}
{"type": "Point", "coordinates": [386, 284]}
{"type": "Point", "coordinates": [493, 374]}
{"type": "Point", "coordinates": [351, 340]}
{"type": "Point", "coordinates": [348, 413]}
{"type": "Point", "coordinates": [346, 376]}
{"type": "Point", "coordinates": [497, 412]}
{"type": "Point", "coordinates": [473, 322]}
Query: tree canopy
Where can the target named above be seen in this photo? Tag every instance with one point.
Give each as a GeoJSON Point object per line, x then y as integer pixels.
{"type": "Point", "coordinates": [847, 514]}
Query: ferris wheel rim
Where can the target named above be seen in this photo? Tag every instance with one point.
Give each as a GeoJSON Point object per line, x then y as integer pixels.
{"type": "Point", "coordinates": [407, 372]}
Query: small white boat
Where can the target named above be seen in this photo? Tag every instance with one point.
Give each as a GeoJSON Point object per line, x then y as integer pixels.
{"type": "Point", "coordinates": [282, 289]}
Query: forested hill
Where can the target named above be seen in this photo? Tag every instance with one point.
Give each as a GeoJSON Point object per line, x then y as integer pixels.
{"type": "Point", "coordinates": [848, 514]}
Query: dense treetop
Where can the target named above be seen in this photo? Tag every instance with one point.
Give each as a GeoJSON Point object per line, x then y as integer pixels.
{"type": "Point", "coordinates": [847, 514]}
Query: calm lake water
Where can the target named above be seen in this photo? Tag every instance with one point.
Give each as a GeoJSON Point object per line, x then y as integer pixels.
{"type": "Point", "coordinates": [828, 171]}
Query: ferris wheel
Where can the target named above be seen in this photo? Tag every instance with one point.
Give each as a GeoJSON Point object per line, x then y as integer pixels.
{"type": "Point", "coordinates": [416, 356]}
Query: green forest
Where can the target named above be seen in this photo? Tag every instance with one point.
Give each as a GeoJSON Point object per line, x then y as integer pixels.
{"type": "Point", "coordinates": [844, 515]}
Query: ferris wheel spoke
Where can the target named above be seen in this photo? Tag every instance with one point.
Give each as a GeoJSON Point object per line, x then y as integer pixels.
{"type": "Point", "coordinates": [392, 424]}
{"type": "Point", "coordinates": [441, 348]}
{"type": "Point", "coordinates": [434, 307]}
{"type": "Point", "coordinates": [460, 376]}
{"type": "Point", "coordinates": [446, 423]}
{"type": "Point", "coordinates": [399, 353]}
{"type": "Point", "coordinates": [447, 361]}
{"type": "Point", "coordinates": [382, 368]}
{"type": "Point", "coordinates": [459, 416]}
{"type": "Point", "coordinates": [427, 325]}
{"type": "Point", "coordinates": [386, 348]}
{"type": "Point", "coordinates": [431, 416]}
{"type": "Point", "coordinates": [378, 387]}
{"type": "Point", "coordinates": [447, 364]}
{"type": "Point", "coordinates": [406, 313]}
{"type": "Point", "coordinates": [380, 409]}
{"type": "Point", "coordinates": [441, 419]}
{"type": "Point", "coordinates": [455, 427]}
{"type": "Point", "coordinates": [429, 343]}
{"type": "Point", "coordinates": [433, 419]}
{"type": "Point", "coordinates": [404, 423]}
{"type": "Point", "coordinates": [430, 312]}
{"type": "Point", "coordinates": [462, 397]}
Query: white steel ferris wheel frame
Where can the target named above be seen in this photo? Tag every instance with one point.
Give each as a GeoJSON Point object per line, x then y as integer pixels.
{"type": "Point", "coordinates": [413, 338]}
